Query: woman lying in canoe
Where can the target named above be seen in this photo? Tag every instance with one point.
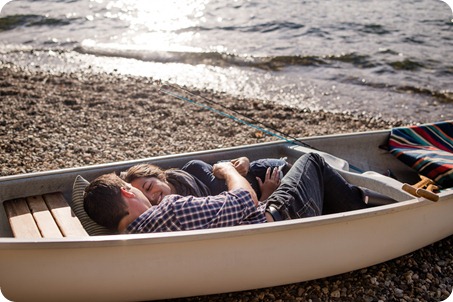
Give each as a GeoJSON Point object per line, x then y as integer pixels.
{"type": "Point", "coordinates": [196, 178]}
{"type": "Point", "coordinates": [310, 188]}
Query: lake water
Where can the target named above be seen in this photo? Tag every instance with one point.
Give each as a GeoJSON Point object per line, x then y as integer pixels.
{"type": "Point", "coordinates": [391, 58]}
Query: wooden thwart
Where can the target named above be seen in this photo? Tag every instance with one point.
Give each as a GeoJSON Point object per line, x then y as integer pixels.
{"type": "Point", "coordinates": [43, 216]}
{"type": "Point", "coordinates": [424, 188]}
{"type": "Point", "coordinates": [418, 192]}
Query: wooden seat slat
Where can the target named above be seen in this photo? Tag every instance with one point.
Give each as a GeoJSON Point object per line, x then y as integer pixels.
{"type": "Point", "coordinates": [44, 219]}
{"type": "Point", "coordinates": [21, 220]}
{"type": "Point", "coordinates": [67, 221]}
{"type": "Point", "coordinates": [43, 216]}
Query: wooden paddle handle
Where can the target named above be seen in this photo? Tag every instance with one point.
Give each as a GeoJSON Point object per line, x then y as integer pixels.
{"type": "Point", "coordinates": [420, 192]}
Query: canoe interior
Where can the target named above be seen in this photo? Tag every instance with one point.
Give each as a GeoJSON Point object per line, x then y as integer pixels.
{"type": "Point", "coordinates": [360, 150]}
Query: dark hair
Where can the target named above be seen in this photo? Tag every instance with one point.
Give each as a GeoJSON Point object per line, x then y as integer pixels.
{"type": "Point", "coordinates": [144, 170]}
{"type": "Point", "coordinates": [103, 201]}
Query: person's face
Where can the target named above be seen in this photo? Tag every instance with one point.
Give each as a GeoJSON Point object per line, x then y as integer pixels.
{"type": "Point", "coordinates": [141, 201]}
{"type": "Point", "coordinates": [153, 188]}
{"type": "Point", "coordinates": [136, 203]}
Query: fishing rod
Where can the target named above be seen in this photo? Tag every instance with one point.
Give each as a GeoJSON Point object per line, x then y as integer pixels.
{"type": "Point", "coordinates": [282, 135]}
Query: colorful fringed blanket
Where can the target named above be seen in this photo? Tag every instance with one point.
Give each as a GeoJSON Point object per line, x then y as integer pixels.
{"type": "Point", "coordinates": [427, 148]}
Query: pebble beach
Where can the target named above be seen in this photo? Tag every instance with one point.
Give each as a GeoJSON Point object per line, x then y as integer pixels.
{"type": "Point", "coordinates": [61, 120]}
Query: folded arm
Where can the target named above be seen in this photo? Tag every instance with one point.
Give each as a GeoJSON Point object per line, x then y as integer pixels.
{"type": "Point", "coordinates": [234, 180]}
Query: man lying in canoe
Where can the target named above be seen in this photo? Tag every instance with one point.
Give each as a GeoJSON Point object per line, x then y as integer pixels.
{"type": "Point", "coordinates": [196, 178]}
{"type": "Point", "coordinates": [310, 188]}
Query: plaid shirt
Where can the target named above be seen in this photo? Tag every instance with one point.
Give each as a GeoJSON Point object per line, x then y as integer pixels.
{"type": "Point", "coordinates": [178, 213]}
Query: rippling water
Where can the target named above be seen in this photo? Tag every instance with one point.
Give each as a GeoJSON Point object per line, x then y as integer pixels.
{"type": "Point", "coordinates": [391, 58]}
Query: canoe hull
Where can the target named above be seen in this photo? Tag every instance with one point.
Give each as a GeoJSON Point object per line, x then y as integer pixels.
{"type": "Point", "coordinates": [192, 263]}
{"type": "Point", "coordinates": [155, 267]}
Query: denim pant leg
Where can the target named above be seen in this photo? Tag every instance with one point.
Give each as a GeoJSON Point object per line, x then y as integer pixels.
{"type": "Point", "coordinates": [312, 188]}
{"type": "Point", "coordinates": [203, 171]}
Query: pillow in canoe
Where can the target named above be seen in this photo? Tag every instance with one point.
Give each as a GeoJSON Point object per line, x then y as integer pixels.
{"type": "Point", "coordinates": [426, 148]}
{"type": "Point", "coordinates": [90, 226]}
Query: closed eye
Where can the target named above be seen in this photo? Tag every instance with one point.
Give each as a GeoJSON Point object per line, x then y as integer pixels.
{"type": "Point", "coordinates": [147, 186]}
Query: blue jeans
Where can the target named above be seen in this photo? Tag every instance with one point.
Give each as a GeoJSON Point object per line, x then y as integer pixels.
{"type": "Point", "coordinates": [203, 171]}
{"type": "Point", "coordinates": [311, 188]}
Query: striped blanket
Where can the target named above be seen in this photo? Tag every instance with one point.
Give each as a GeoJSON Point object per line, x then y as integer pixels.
{"type": "Point", "coordinates": [427, 148]}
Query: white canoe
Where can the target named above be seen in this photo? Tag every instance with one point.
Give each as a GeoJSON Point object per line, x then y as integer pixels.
{"type": "Point", "coordinates": [193, 263]}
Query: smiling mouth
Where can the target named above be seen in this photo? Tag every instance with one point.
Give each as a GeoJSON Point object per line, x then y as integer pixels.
{"type": "Point", "coordinates": [157, 199]}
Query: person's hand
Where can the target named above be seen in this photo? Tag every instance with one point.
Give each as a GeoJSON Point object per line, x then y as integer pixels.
{"type": "Point", "coordinates": [270, 184]}
{"type": "Point", "coordinates": [242, 165]}
{"type": "Point", "coordinates": [234, 180]}
{"type": "Point", "coordinates": [223, 169]}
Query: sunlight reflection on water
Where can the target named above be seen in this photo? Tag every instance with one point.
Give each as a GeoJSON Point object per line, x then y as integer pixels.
{"type": "Point", "coordinates": [156, 24]}
{"type": "Point", "coordinates": [390, 58]}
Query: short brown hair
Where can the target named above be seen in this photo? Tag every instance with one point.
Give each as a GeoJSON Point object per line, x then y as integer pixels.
{"type": "Point", "coordinates": [144, 170]}
{"type": "Point", "coordinates": [103, 201]}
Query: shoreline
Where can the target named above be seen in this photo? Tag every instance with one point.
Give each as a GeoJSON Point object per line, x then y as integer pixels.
{"type": "Point", "coordinates": [53, 121]}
